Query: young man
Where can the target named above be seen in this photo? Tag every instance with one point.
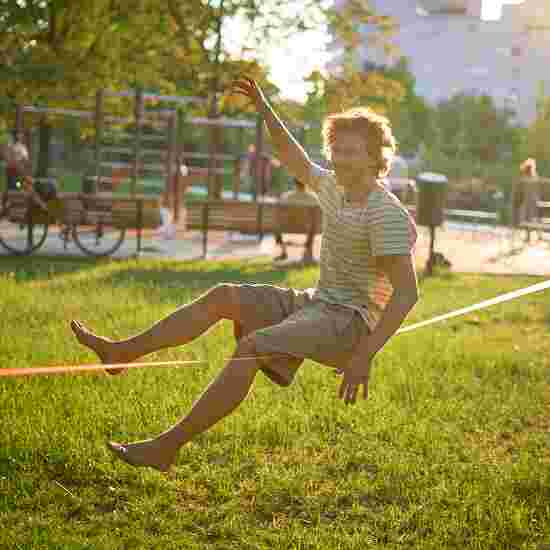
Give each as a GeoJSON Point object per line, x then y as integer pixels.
{"type": "Point", "coordinates": [299, 195]}
{"type": "Point", "coordinates": [367, 286]}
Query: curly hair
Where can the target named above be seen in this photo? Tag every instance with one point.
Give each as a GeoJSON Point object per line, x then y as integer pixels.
{"type": "Point", "coordinates": [374, 128]}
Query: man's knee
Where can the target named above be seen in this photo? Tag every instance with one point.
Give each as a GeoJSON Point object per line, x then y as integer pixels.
{"type": "Point", "coordinates": [224, 297]}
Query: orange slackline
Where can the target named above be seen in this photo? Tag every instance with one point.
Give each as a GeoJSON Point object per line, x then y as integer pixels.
{"type": "Point", "coordinates": [77, 369]}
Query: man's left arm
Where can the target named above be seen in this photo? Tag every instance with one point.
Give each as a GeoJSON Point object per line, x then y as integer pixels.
{"type": "Point", "coordinates": [401, 273]}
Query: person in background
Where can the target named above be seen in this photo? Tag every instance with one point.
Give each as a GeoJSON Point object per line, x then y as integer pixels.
{"type": "Point", "coordinates": [167, 228]}
{"type": "Point", "coordinates": [17, 162]}
{"type": "Point", "coordinates": [525, 192]}
{"type": "Point", "coordinates": [300, 195]}
{"type": "Point", "coordinates": [265, 171]}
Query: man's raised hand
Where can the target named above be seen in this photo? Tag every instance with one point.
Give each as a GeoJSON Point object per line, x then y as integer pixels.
{"type": "Point", "coordinates": [248, 87]}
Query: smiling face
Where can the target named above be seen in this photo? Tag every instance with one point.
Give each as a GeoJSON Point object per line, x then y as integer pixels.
{"type": "Point", "coordinates": [359, 141]}
{"type": "Point", "coordinates": [349, 153]}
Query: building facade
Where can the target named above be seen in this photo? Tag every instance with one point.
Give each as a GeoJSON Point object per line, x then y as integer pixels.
{"type": "Point", "coordinates": [452, 50]}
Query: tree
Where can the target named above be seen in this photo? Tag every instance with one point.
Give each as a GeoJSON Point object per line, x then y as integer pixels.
{"type": "Point", "coordinates": [471, 134]}
{"type": "Point", "coordinates": [60, 53]}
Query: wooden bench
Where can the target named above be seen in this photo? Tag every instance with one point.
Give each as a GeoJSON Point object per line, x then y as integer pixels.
{"type": "Point", "coordinates": [251, 218]}
{"type": "Point", "coordinates": [540, 223]}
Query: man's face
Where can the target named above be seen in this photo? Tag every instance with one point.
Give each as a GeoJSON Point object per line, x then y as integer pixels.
{"type": "Point", "coordinates": [349, 153]}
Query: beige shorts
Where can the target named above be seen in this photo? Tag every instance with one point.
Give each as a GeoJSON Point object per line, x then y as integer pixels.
{"type": "Point", "coordinates": [290, 326]}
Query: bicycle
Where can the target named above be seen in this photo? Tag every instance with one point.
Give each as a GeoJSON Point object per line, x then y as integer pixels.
{"type": "Point", "coordinates": [25, 220]}
{"type": "Point", "coordinates": [24, 223]}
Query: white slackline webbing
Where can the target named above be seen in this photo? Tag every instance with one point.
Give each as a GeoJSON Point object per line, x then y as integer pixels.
{"type": "Point", "coordinates": [482, 305]}
{"type": "Point", "coordinates": [76, 369]}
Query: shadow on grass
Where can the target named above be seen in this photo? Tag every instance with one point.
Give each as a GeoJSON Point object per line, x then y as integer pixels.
{"type": "Point", "coordinates": [199, 274]}
{"type": "Point", "coordinates": [189, 273]}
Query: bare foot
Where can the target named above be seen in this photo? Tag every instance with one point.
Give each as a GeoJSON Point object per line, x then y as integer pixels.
{"type": "Point", "coordinates": [103, 347]}
{"type": "Point", "coordinates": [149, 453]}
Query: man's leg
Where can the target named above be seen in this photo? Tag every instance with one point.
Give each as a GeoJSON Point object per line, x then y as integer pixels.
{"type": "Point", "coordinates": [221, 398]}
{"type": "Point", "coordinates": [179, 328]}
{"type": "Point", "coordinates": [308, 248]}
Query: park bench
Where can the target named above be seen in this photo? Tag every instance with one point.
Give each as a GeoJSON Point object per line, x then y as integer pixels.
{"type": "Point", "coordinates": [540, 223]}
{"type": "Point", "coordinates": [531, 205]}
{"type": "Point", "coordinates": [459, 214]}
{"type": "Point", "coordinates": [255, 218]}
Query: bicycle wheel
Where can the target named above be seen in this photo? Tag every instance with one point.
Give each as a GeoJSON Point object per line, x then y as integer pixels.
{"type": "Point", "coordinates": [99, 239]}
{"type": "Point", "coordinates": [17, 235]}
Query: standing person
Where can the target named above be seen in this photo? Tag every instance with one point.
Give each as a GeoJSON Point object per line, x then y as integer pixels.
{"type": "Point", "coordinates": [167, 229]}
{"type": "Point", "coordinates": [17, 161]}
{"type": "Point", "coordinates": [265, 170]}
{"type": "Point", "coordinates": [301, 196]}
{"type": "Point", "coordinates": [525, 195]}
{"type": "Point", "coordinates": [367, 286]}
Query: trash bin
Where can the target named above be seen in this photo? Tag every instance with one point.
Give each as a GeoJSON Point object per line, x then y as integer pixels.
{"type": "Point", "coordinates": [432, 193]}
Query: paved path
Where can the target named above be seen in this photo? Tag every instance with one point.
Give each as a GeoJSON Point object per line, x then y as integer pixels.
{"type": "Point", "coordinates": [483, 250]}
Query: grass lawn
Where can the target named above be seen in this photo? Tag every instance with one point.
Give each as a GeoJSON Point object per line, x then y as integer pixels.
{"type": "Point", "coordinates": [452, 449]}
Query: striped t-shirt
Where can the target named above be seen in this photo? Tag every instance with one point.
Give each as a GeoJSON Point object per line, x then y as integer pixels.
{"type": "Point", "coordinates": [352, 237]}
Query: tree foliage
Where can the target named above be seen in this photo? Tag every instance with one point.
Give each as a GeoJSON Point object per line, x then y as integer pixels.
{"type": "Point", "coordinates": [471, 134]}
{"type": "Point", "coordinates": [60, 51]}
{"type": "Point", "coordinates": [63, 51]}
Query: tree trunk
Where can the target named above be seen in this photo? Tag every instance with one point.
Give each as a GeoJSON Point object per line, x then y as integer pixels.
{"type": "Point", "coordinates": [217, 149]}
{"type": "Point", "coordinates": [215, 186]}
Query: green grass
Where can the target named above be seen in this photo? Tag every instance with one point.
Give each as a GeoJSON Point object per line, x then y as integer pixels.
{"type": "Point", "coordinates": [452, 449]}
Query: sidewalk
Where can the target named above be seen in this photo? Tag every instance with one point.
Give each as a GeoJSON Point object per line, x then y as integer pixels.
{"type": "Point", "coordinates": [483, 250]}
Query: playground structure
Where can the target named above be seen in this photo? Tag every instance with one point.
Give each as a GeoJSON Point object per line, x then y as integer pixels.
{"type": "Point", "coordinates": [148, 145]}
